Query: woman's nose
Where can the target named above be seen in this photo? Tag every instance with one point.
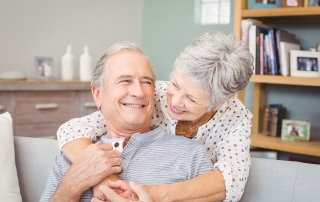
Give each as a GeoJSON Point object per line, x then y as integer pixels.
{"type": "Point", "coordinates": [177, 100]}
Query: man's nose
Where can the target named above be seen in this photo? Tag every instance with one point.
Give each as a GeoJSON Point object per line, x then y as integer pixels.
{"type": "Point", "coordinates": [136, 90]}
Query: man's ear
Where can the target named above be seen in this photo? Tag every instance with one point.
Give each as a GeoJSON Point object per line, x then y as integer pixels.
{"type": "Point", "coordinates": [97, 96]}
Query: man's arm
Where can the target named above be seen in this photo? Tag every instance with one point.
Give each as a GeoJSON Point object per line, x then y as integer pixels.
{"type": "Point", "coordinates": [94, 164]}
{"type": "Point", "coordinates": [206, 187]}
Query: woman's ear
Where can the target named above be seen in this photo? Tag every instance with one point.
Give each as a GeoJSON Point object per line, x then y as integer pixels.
{"type": "Point", "coordinates": [97, 96]}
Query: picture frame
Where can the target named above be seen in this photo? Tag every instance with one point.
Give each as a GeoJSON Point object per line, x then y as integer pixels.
{"type": "Point", "coordinates": [263, 4]}
{"type": "Point", "coordinates": [292, 3]}
{"type": "Point", "coordinates": [304, 63]}
{"type": "Point", "coordinates": [44, 67]}
{"type": "Point", "coordinates": [318, 47]}
{"type": "Point", "coordinates": [295, 130]}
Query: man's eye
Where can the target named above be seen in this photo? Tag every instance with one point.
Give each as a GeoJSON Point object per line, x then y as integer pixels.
{"type": "Point", "coordinates": [124, 81]}
{"type": "Point", "coordinates": [147, 82]}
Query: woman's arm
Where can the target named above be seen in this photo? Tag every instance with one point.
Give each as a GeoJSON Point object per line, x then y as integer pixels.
{"type": "Point", "coordinates": [75, 135]}
{"type": "Point", "coordinates": [206, 187]}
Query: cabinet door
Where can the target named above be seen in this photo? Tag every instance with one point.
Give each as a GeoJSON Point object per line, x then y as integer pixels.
{"type": "Point", "coordinates": [44, 107]}
{"type": "Point", "coordinates": [7, 102]}
{"type": "Point", "coordinates": [40, 113]}
{"type": "Point", "coordinates": [85, 104]}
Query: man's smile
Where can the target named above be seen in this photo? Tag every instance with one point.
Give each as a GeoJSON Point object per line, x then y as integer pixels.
{"type": "Point", "coordinates": [134, 105]}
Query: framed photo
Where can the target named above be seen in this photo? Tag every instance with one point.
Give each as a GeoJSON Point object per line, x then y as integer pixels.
{"type": "Point", "coordinates": [318, 47]}
{"type": "Point", "coordinates": [263, 4]}
{"type": "Point", "coordinates": [304, 63]}
{"type": "Point", "coordinates": [292, 3]}
{"type": "Point", "coordinates": [44, 67]}
{"type": "Point", "coordinates": [294, 130]}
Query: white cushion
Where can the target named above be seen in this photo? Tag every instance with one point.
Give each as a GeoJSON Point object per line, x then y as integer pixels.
{"type": "Point", "coordinates": [9, 184]}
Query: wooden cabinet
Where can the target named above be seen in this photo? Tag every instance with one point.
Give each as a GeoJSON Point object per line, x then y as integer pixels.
{"type": "Point", "coordinates": [39, 107]}
{"type": "Point", "coordinates": [278, 15]}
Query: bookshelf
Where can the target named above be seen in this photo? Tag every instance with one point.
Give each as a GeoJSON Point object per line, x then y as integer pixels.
{"type": "Point", "coordinates": [271, 16]}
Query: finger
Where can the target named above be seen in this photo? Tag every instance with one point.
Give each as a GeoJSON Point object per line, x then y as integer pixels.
{"type": "Point", "coordinates": [98, 194]}
{"type": "Point", "coordinates": [106, 147]}
{"type": "Point", "coordinates": [119, 184]}
{"type": "Point", "coordinates": [141, 192]}
{"type": "Point", "coordinates": [127, 194]}
{"type": "Point", "coordinates": [112, 196]}
{"type": "Point", "coordinates": [96, 200]}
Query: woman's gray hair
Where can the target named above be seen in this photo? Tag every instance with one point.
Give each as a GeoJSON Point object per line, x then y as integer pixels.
{"type": "Point", "coordinates": [219, 63]}
{"type": "Point", "coordinates": [99, 77]}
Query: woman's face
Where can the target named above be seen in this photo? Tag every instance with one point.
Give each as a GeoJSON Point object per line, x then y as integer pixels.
{"type": "Point", "coordinates": [187, 101]}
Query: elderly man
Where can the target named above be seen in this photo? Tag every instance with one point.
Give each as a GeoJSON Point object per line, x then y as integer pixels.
{"type": "Point", "coordinates": [123, 89]}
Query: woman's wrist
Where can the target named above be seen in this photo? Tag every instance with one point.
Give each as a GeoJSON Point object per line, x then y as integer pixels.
{"type": "Point", "coordinates": [158, 193]}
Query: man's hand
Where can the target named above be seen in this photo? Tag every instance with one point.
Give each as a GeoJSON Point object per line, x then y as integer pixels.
{"type": "Point", "coordinates": [93, 165]}
{"type": "Point", "coordinates": [143, 196]}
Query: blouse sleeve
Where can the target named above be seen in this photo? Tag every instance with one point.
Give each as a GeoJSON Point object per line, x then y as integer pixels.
{"type": "Point", "coordinates": [90, 126]}
{"type": "Point", "coordinates": [233, 159]}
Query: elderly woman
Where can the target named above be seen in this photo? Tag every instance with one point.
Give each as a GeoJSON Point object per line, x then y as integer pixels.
{"type": "Point", "coordinates": [197, 103]}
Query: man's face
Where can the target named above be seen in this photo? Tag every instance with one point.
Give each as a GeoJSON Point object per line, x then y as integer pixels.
{"type": "Point", "coordinates": [127, 102]}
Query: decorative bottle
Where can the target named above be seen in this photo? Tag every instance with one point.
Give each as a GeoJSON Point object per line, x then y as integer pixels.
{"type": "Point", "coordinates": [85, 65]}
{"type": "Point", "coordinates": [67, 65]}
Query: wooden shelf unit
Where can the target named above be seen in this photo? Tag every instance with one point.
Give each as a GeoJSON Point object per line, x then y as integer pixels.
{"type": "Point", "coordinates": [311, 148]}
{"type": "Point", "coordinates": [269, 16]}
{"type": "Point", "coordinates": [286, 80]}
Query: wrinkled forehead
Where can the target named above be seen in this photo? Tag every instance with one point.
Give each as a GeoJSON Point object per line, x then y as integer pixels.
{"type": "Point", "coordinates": [129, 63]}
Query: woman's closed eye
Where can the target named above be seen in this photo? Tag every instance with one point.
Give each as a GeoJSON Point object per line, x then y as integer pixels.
{"type": "Point", "coordinates": [175, 85]}
{"type": "Point", "coordinates": [191, 99]}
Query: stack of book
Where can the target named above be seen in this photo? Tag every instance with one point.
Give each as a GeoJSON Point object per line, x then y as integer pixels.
{"type": "Point", "coordinates": [264, 44]}
{"type": "Point", "coordinates": [272, 120]}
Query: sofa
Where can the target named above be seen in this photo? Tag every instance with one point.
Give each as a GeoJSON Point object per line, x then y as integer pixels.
{"type": "Point", "coordinates": [270, 180]}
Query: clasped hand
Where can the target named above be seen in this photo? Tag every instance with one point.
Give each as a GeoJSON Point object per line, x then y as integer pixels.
{"type": "Point", "coordinates": [130, 192]}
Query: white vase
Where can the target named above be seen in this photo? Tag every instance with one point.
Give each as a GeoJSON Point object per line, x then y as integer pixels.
{"type": "Point", "coordinates": [67, 65]}
{"type": "Point", "coordinates": [85, 65]}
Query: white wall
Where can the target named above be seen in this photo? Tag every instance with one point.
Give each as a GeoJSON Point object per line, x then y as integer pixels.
{"type": "Point", "coordinates": [44, 28]}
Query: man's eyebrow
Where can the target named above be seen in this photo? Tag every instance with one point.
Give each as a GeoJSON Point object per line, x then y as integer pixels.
{"type": "Point", "coordinates": [127, 76]}
{"type": "Point", "coordinates": [124, 77]}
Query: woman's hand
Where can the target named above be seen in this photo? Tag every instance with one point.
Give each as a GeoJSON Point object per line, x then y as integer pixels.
{"type": "Point", "coordinates": [97, 193]}
{"type": "Point", "coordinates": [112, 196]}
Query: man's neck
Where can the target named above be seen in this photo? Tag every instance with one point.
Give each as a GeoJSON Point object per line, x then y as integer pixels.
{"type": "Point", "coordinates": [125, 132]}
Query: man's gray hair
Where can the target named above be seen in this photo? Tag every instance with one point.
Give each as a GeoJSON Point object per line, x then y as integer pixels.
{"type": "Point", "coordinates": [99, 76]}
{"type": "Point", "coordinates": [219, 63]}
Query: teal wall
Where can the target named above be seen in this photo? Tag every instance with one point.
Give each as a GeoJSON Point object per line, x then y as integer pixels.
{"type": "Point", "coordinates": [168, 27]}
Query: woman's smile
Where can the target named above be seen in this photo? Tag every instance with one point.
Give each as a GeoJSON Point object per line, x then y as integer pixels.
{"type": "Point", "coordinates": [175, 110]}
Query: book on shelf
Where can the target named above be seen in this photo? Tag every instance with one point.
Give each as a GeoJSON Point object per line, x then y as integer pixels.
{"type": "Point", "coordinates": [272, 120]}
{"type": "Point", "coordinates": [245, 26]}
{"type": "Point", "coordinates": [273, 52]}
{"type": "Point", "coordinates": [285, 49]}
{"type": "Point", "coordinates": [254, 45]}
{"type": "Point", "coordinates": [284, 36]}
{"type": "Point", "coordinates": [266, 67]}
{"type": "Point", "coordinates": [264, 44]}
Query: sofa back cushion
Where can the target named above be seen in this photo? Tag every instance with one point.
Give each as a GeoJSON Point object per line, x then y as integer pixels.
{"type": "Point", "coordinates": [34, 157]}
{"type": "Point", "coordinates": [9, 186]}
{"type": "Point", "coordinates": [285, 181]}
